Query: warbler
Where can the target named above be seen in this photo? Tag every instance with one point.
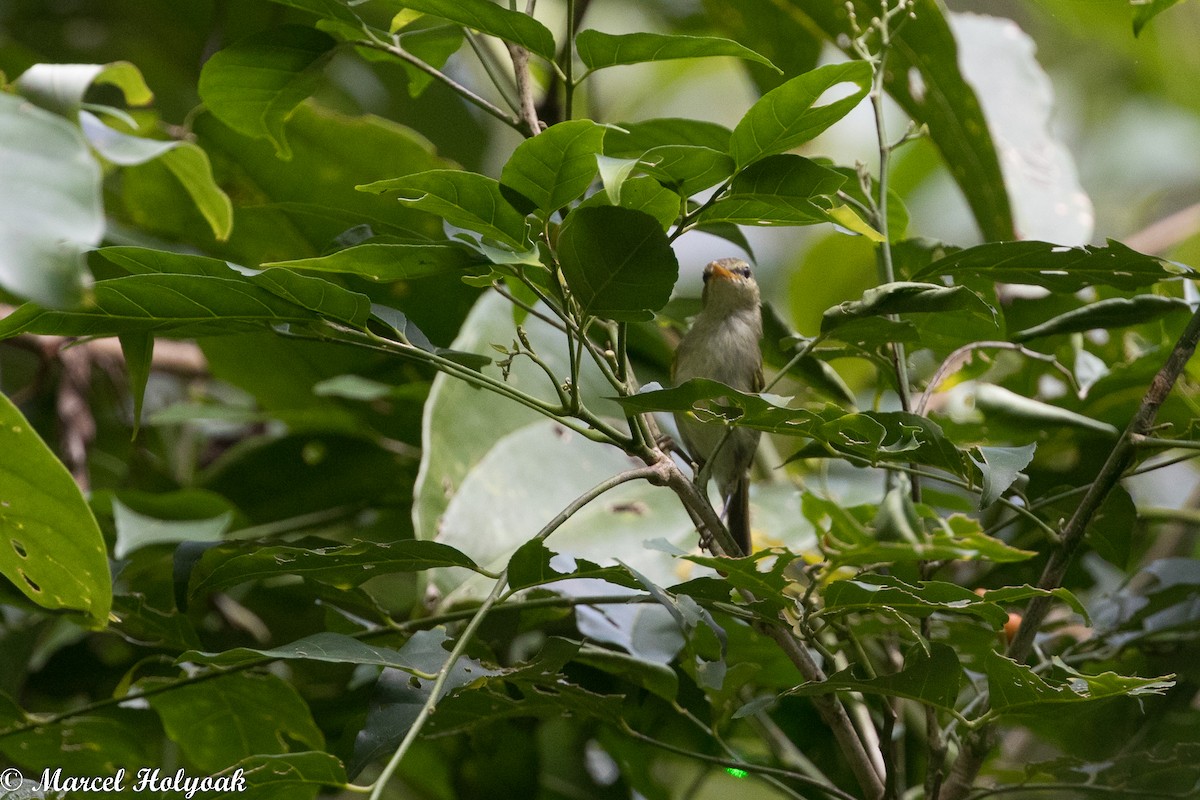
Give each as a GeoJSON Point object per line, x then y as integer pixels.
{"type": "Point", "coordinates": [722, 344]}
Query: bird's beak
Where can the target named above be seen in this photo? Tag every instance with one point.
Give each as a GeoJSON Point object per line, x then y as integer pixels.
{"type": "Point", "coordinates": [717, 271]}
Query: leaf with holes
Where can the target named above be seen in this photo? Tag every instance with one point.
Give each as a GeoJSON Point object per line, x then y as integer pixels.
{"type": "Point", "coordinates": [50, 545]}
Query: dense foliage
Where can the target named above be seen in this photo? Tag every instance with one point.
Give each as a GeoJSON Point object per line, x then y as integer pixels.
{"type": "Point", "coordinates": [350, 327]}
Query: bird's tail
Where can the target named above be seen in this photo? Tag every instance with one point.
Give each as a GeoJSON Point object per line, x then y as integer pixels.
{"type": "Point", "coordinates": [738, 513]}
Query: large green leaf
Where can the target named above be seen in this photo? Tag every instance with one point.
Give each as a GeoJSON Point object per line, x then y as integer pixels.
{"type": "Point", "coordinates": [1016, 689]}
{"type": "Point", "coordinates": [598, 50]}
{"type": "Point", "coordinates": [1058, 268]}
{"type": "Point", "coordinates": [342, 565]}
{"type": "Point", "coordinates": [903, 297]}
{"type": "Point", "coordinates": [219, 722]}
{"type": "Point", "coordinates": [778, 190]}
{"type": "Point", "coordinates": [390, 261]}
{"type": "Point", "coordinates": [490, 18]}
{"type": "Point", "coordinates": [556, 166]}
{"type": "Point", "coordinates": [50, 545]}
{"type": "Point", "coordinates": [255, 84]}
{"type": "Point", "coordinates": [618, 262]}
{"type": "Point", "coordinates": [335, 648]}
{"type": "Point", "coordinates": [788, 116]}
{"type": "Point", "coordinates": [687, 168]}
{"type": "Point", "coordinates": [465, 199]}
{"type": "Point", "coordinates": [1113, 312]}
{"type": "Point", "coordinates": [50, 209]}
{"type": "Point", "coordinates": [923, 77]}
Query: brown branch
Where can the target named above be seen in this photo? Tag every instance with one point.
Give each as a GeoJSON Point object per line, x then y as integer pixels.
{"type": "Point", "coordinates": [830, 708]}
{"type": "Point", "coordinates": [977, 746]}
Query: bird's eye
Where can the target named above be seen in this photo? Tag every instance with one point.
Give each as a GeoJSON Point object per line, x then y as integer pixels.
{"type": "Point", "coordinates": [743, 270]}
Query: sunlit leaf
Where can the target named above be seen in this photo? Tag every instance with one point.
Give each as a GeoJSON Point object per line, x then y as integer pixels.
{"type": "Point", "coordinates": [788, 116]}
{"type": "Point", "coordinates": [465, 199]}
{"type": "Point", "coordinates": [556, 166]}
{"type": "Point", "coordinates": [61, 87]}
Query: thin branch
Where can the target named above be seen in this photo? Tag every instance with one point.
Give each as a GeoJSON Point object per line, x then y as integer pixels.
{"type": "Point", "coordinates": [464, 639]}
{"type": "Point", "coordinates": [798, 777]}
{"type": "Point", "coordinates": [483, 103]}
{"type": "Point", "coordinates": [527, 107]}
{"type": "Point", "coordinates": [977, 746]}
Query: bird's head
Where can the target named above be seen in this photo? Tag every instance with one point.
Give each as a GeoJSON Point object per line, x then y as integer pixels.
{"type": "Point", "coordinates": [729, 286]}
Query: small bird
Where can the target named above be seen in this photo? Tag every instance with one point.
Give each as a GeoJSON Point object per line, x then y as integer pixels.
{"type": "Point", "coordinates": [722, 345]}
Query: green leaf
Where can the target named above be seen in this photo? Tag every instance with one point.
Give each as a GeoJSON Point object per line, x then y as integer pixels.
{"type": "Point", "coordinates": [50, 211]}
{"type": "Point", "coordinates": [50, 545]}
{"type": "Point", "coordinates": [490, 18]}
{"type": "Point", "coordinates": [219, 722]}
{"type": "Point", "coordinates": [933, 678]}
{"type": "Point", "coordinates": [659, 679]}
{"type": "Point", "coordinates": [60, 87]}
{"type": "Point", "coordinates": [255, 84]}
{"type": "Point", "coordinates": [433, 45]}
{"type": "Point", "coordinates": [268, 777]}
{"type": "Point", "coordinates": [687, 168]}
{"type": "Point", "coordinates": [1016, 689]}
{"type": "Point", "coordinates": [398, 698]}
{"type": "Point", "coordinates": [903, 297]}
{"type": "Point", "coordinates": [848, 540]}
{"type": "Point", "coordinates": [191, 166]}
{"type": "Point", "coordinates": [1058, 268]}
{"type": "Point", "coordinates": [556, 166]}
{"type": "Point", "coordinates": [790, 44]}
{"type": "Point", "coordinates": [465, 199]}
{"type": "Point", "coordinates": [1146, 10]}
{"type": "Point", "coordinates": [534, 564]}
{"type": "Point", "coordinates": [786, 117]}
{"type": "Point", "coordinates": [999, 468]}
{"type": "Point", "coordinates": [138, 350]}
{"type": "Point", "coordinates": [922, 599]}
{"type": "Point", "coordinates": [778, 190]}
{"type": "Point", "coordinates": [997, 402]}
{"type": "Point", "coordinates": [635, 138]}
{"type": "Point", "coordinates": [390, 261]}
{"type": "Point", "coordinates": [136, 530]}
{"type": "Point", "coordinates": [892, 437]}
{"type": "Point", "coordinates": [335, 648]}
{"type": "Point", "coordinates": [1113, 312]}
{"type": "Point", "coordinates": [617, 262]}
{"type": "Point", "coordinates": [643, 194]}
{"type": "Point", "coordinates": [339, 564]}
{"type": "Point", "coordinates": [598, 50]}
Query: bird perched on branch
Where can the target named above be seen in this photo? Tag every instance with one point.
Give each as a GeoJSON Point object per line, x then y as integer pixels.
{"type": "Point", "coordinates": [722, 345]}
